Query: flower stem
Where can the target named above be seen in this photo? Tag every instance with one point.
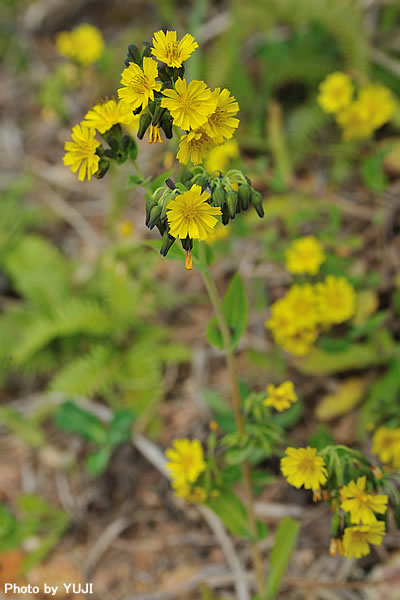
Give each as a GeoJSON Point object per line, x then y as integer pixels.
{"type": "Point", "coordinates": [236, 404]}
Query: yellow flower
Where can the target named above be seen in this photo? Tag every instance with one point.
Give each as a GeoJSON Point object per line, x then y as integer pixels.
{"type": "Point", "coordinates": [379, 104]}
{"type": "Point", "coordinates": [302, 302]}
{"type": "Point", "coordinates": [154, 135]}
{"type": "Point", "coordinates": [194, 146]}
{"type": "Point", "coordinates": [356, 539]}
{"type": "Point", "coordinates": [305, 255]}
{"type": "Point", "coordinates": [221, 123]}
{"type": "Point", "coordinates": [126, 229]}
{"type": "Point", "coordinates": [103, 116]}
{"type": "Point", "coordinates": [355, 121]}
{"type": "Point", "coordinates": [281, 321]}
{"type": "Point", "coordinates": [84, 44]}
{"type": "Point", "coordinates": [281, 397]}
{"type": "Point", "coordinates": [302, 467]}
{"type": "Point", "coordinates": [386, 445]}
{"type": "Point", "coordinates": [189, 214]}
{"type": "Point", "coordinates": [219, 157]}
{"type": "Point", "coordinates": [299, 342]}
{"type": "Point", "coordinates": [197, 494]}
{"type": "Point", "coordinates": [167, 49]}
{"type": "Point", "coordinates": [81, 152]}
{"type": "Point", "coordinates": [140, 84]}
{"type": "Point", "coordinates": [336, 92]}
{"type": "Point", "coordinates": [190, 105]}
{"type": "Point", "coordinates": [186, 461]}
{"type": "Point", "coordinates": [360, 504]}
{"type": "Point", "coordinates": [336, 300]}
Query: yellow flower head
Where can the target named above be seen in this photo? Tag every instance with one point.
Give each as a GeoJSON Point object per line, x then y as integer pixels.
{"type": "Point", "coordinates": [154, 135]}
{"type": "Point", "coordinates": [84, 44]}
{"type": "Point", "coordinates": [302, 467]}
{"type": "Point", "coordinates": [219, 157]}
{"type": "Point", "coordinates": [356, 539]}
{"type": "Point", "coordinates": [186, 461]}
{"type": "Point", "coordinates": [336, 300]}
{"type": "Point", "coordinates": [335, 92]}
{"type": "Point", "coordinates": [167, 49]}
{"type": "Point", "coordinates": [126, 229]}
{"type": "Point", "coordinates": [379, 103]}
{"type": "Point", "coordinates": [386, 445]}
{"type": "Point", "coordinates": [361, 505]}
{"type": "Point", "coordinates": [81, 151]}
{"type": "Point", "coordinates": [302, 302]}
{"type": "Point", "coordinates": [281, 321]}
{"type": "Point", "coordinates": [299, 342]}
{"type": "Point", "coordinates": [103, 116]}
{"type": "Point", "coordinates": [190, 105]}
{"type": "Point", "coordinates": [140, 84]}
{"type": "Point", "coordinates": [305, 255]}
{"type": "Point", "coordinates": [194, 146]}
{"type": "Point", "coordinates": [221, 123]}
{"type": "Point", "coordinates": [355, 121]}
{"type": "Point", "coordinates": [189, 214]}
{"type": "Point", "coordinates": [197, 494]}
{"type": "Point", "coordinates": [281, 397]}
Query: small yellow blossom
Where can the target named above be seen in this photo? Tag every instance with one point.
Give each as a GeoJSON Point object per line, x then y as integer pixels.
{"type": "Point", "coordinates": [386, 445]}
{"type": "Point", "coordinates": [194, 146]}
{"type": "Point", "coordinates": [379, 103]}
{"type": "Point", "coordinates": [282, 396]}
{"type": "Point", "coordinates": [336, 300]}
{"type": "Point", "coordinates": [186, 461]}
{"type": "Point", "coordinates": [189, 105]}
{"type": "Point", "coordinates": [302, 302]}
{"type": "Point", "coordinates": [140, 84]}
{"type": "Point", "coordinates": [189, 214]}
{"type": "Point", "coordinates": [104, 116]}
{"type": "Point", "coordinates": [336, 92]}
{"type": "Point", "coordinates": [154, 135]}
{"type": "Point", "coordinates": [304, 255]}
{"type": "Point", "coordinates": [84, 44]}
{"type": "Point", "coordinates": [196, 494]}
{"type": "Point", "coordinates": [361, 505]}
{"type": "Point", "coordinates": [81, 152]}
{"type": "Point", "coordinates": [126, 229]}
{"type": "Point", "coordinates": [221, 123]}
{"type": "Point", "coordinates": [299, 342]}
{"type": "Point", "coordinates": [336, 547]}
{"type": "Point", "coordinates": [219, 157]}
{"type": "Point", "coordinates": [303, 467]}
{"type": "Point", "coordinates": [356, 539]}
{"type": "Point", "coordinates": [355, 121]}
{"type": "Point", "coordinates": [167, 49]}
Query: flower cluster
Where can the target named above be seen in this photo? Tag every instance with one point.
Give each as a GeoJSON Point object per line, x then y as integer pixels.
{"type": "Point", "coordinates": [306, 309]}
{"type": "Point", "coordinates": [304, 255]}
{"type": "Point", "coordinates": [185, 465]}
{"type": "Point", "coordinates": [358, 118]}
{"type": "Point", "coordinates": [84, 44]}
{"type": "Point", "coordinates": [281, 397]}
{"type": "Point", "coordinates": [357, 507]}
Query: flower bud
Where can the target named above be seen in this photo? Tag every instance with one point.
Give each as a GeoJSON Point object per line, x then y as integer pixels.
{"type": "Point", "coordinates": [103, 168]}
{"type": "Point", "coordinates": [187, 243]}
{"type": "Point", "coordinates": [336, 525]}
{"type": "Point", "coordinates": [166, 124]}
{"type": "Point", "coordinates": [244, 193]}
{"type": "Point", "coordinates": [146, 50]}
{"type": "Point", "coordinates": [144, 122]}
{"type": "Point", "coordinates": [218, 197]}
{"type": "Point", "coordinates": [225, 215]}
{"type": "Point", "coordinates": [150, 203]}
{"type": "Point", "coordinates": [155, 213]}
{"type": "Point", "coordinates": [166, 244]}
{"type": "Point", "coordinates": [232, 203]}
{"type": "Point", "coordinates": [257, 201]}
{"type": "Point", "coordinates": [134, 54]}
{"type": "Point", "coordinates": [158, 114]}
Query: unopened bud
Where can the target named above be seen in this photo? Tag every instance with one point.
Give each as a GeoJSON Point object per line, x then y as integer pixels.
{"type": "Point", "coordinates": [244, 193]}
{"type": "Point", "coordinates": [104, 165]}
{"type": "Point", "coordinates": [166, 244]}
{"type": "Point", "coordinates": [155, 213]}
{"type": "Point", "coordinates": [144, 122]}
{"type": "Point", "coordinates": [166, 124]}
{"type": "Point", "coordinates": [134, 54]}
{"type": "Point", "coordinates": [257, 201]}
{"type": "Point", "coordinates": [232, 203]}
{"type": "Point", "coordinates": [218, 197]}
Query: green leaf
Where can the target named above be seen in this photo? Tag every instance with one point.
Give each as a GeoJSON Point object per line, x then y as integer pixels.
{"type": "Point", "coordinates": [22, 427]}
{"type": "Point", "coordinates": [235, 309]}
{"type": "Point", "coordinates": [284, 545]}
{"type": "Point", "coordinates": [96, 463]}
{"type": "Point", "coordinates": [121, 427]}
{"type": "Point", "coordinates": [134, 180]}
{"type": "Point", "coordinates": [8, 522]}
{"type": "Point", "coordinates": [70, 417]}
{"type": "Point", "coordinates": [230, 509]}
{"type": "Point", "coordinates": [372, 171]}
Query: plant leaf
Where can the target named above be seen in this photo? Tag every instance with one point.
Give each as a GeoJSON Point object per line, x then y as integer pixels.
{"type": "Point", "coordinates": [284, 544]}
{"type": "Point", "coordinates": [235, 309]}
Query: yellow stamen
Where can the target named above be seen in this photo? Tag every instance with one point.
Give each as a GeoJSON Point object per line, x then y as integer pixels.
{"type": "Point", "coordinates": [154, 134]}
{"type": "Point", "coordinates": [188, 260]}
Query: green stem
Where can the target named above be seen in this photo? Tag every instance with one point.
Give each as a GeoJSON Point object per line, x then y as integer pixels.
{"type": "Point", "coordinates": [138, 170]}
{"type": "Point", "coordinates": [236, 404]}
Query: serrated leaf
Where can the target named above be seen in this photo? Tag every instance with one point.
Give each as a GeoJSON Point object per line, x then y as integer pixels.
{"type": "Point", "coordinates": [279, 557]}
{"type": "Point", "coordinates": [235, 309]}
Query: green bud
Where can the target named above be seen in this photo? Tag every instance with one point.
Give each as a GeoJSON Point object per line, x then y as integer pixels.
{"type": "Point", "coordinates": [225, 215]}
{"type": "Point", "coordinates": [182, 188]}
{"type": "Point", "coordinates": [257, 201]}
{"type": "Point", "coordinates": [187, 178]}
{"type": "Point", "coordinates": [163, 75]}
{"type": "Point", "coordinates": [147, 50]}
{"type": "Point", "coordinates": [133, 149]}
{"type": "Point", "coordinates": [161, 227]}
{"type": "Point", "coordinates": [125, 143]}
{"type": "Point", "coordinates": [218, 197]}
{"type": "Point", "coordinates": [166, 124]}
{"type": "Point", "coordinates": [103, 168]}
{"type": "Point", "coordinates": [201, 180]}
{"type": "Point", "coordinates": [150, 203]}
{"type": "Point", "coordinates": [112, 142]}
{"type": "Point", "coordinates": [144, 122]}
{"type": "Point", "coordinates": [158, 114]}
{"type": "Point", "coordinates": [155, 214]}
{"type": "Point", "coordinates": [187, 243]}
{"type": "Point", "coordinates": [336, 526]}
{"type": "Point", "coordinates": [166, 244]}
{"type": "Point", "coordinates": [134, 54]}
{"type": "Point", "coordinates": [244, 193]}
{"type": "Point", "coordinates": [232, 203]}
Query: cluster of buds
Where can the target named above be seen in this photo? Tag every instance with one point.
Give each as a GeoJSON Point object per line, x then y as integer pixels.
{"type": "Point", "coordinates": [121, 148]}
{"type": "Point", "coordinates": [231, 192]}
